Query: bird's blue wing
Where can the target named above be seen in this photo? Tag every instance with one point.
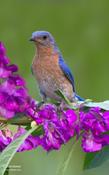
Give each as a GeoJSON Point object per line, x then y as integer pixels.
{"type": "Point", "coordinates": [66, 70]}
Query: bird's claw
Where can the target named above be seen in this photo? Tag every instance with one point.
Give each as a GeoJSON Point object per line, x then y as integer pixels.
{"type": "Point", "coordinates": [40, 104]}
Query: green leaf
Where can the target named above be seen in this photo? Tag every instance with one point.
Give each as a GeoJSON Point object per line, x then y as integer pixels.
{"type": "Point", "coordinates": [60, 93]}
{"type": "Point", "coordinates": [9, 152]}
{"type": "Point", "coordinates": [88, 158]}
{"type": "Point", "coordinates": [39, 131]}
{"type": "Point", "coordinates": [103, 105]}
{"type": "Point", "coordinates": [6, 171]}
{"type": "Point", "coordinates": [19, 119]}
{"type": "Point", "coordinates": [93, 160]}
{"type": "Point", "coordinates": [62, 170]}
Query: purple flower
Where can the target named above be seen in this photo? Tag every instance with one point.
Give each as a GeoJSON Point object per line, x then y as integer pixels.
{"type": "Point", "coordinates": [70, 116]}
{"type": "Point", "coordinates": [90, 143]}
{"type": "Point", "coordinates": [106, 119]}
{"type": "Point", "coordinates": [5, 69]}
{"type": "Point", "coordinates": [94, 120]}
{"type": "Point", "coordinates": [2, 49]}
{"type": "Point", "coordinates": [52, 138]}
{"type": "Point", "coordinates": [94, 124]}
{"type": "Point", "coordinates": [14, 96]}
{"type": "Point", "coordinates": [31, 142]}
{"type": "Point", "coordinates": [3, 58]}
{"type": "Point", "coordinates": [6, 137]}
{"type": "Point", "coordinates": [6, 113]}
{"type": "Point", "coordinates": [58, 127]}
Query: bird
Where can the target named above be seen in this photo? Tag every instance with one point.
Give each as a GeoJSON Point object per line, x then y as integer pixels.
{"type": "Point", "coordinates": [50, 69]}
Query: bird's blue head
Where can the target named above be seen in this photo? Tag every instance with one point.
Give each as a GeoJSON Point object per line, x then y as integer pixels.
{"type": "Point", "coordinates": [42, 38]}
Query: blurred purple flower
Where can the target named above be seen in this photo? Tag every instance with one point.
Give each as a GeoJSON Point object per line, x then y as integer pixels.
{"type": "Point", "coordinates": [13, 93]}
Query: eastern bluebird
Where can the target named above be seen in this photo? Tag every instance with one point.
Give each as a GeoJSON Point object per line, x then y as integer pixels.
{"type": "Point", "coordinates": [50, 69]}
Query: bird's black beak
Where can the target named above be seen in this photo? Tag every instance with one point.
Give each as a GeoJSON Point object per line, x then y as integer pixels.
{"type": "Point", "coordinates": [31, 39]}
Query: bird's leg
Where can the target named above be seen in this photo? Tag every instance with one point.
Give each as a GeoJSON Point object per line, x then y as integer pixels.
{"type": "Point", "coordinates": [40, 104]}
{"type": "Point", "coordinates": [62, 105]}
{"type": "Point", "coordinates": [44, 99]}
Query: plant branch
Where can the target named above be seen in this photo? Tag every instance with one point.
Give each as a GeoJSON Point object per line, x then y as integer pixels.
{"type": "Point", "coordinates": [17, 120]}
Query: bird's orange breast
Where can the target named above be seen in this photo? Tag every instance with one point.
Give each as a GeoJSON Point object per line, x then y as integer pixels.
{"type": "Point", "coordinates": [50, 77]}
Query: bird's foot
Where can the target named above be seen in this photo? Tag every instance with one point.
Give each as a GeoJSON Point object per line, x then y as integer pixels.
{"type": "Point", "coordinates": [62, 106]}
{"type": "Point", "coordinates": [40, 104]}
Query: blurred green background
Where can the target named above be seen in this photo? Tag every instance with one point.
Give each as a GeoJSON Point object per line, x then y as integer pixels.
{"type": "Point", "coordinates": [81, 29]}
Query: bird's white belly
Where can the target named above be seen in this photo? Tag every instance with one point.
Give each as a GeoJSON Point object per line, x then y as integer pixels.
{"type": "Point", "coordinates": [49, 86]}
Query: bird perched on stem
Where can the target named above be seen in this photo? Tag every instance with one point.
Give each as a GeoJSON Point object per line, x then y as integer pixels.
{"type": "Point", "coordinates": [50, 69]}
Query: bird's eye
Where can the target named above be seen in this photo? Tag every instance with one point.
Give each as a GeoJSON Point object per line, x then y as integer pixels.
{"type": "Point", "coordinates": [44, 37]}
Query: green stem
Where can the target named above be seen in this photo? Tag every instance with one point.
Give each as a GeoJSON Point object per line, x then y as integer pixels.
{"type": "Point", "coordinates": [18, 120]}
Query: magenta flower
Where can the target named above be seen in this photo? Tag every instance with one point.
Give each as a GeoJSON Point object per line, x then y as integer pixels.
{"type": "Point", "coordinates": [6, 137]}
{"type": "Point", "coordinates": [58, 128]}
{"type": "Point", "coordinates": [90, 143]}
{"type": "Point", "coordinates": [94, 124]}
{"type": "Point", "coordinates": [30, 143]}
{"type": "Point", "coordinates": [13, 93]}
